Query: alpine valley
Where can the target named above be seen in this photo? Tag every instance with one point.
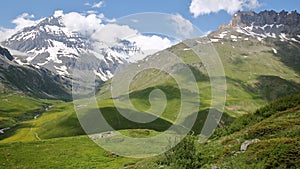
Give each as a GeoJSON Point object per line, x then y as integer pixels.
{"type": "Point", "coordinates": [259, 128]}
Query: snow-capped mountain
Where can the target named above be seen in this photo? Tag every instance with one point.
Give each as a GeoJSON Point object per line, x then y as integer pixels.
{"type": "Point", "coordinates": [32, 81]}
{"type": "Point", "coordinates": [266, 24]}
{"type": "Point", "coordinates": [52, 45]}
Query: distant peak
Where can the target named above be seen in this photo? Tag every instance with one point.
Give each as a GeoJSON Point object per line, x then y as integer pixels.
{"type": "Point", "coordinates": [268, 22]}
{"type": "Point", "coordinates": [58, 13]}
{"type": "Point", "coordinates": [248, 18]}
{"type": "Point", "coordinates": [55, 19]}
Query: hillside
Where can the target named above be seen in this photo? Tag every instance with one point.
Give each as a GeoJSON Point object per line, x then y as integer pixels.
{"type": "Point", "coordinates": [276, 127]}
{"type": "Point", "coordinates": [270, 140]}
{"type": "Point", "coordinates": [260, 56]}
{"type": "Point", "coordinates": [257, 71]}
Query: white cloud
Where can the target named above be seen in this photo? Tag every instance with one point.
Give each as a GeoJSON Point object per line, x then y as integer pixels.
{"type": "Point", "coordinates": [22, 21]}
{"type": "Point", "coordinates": [110, 33]}
{"type": "Point", "coordinates": [86, 25]}
{"type": "Point", "coordinates": [135, 20]}
{"type": "Point", "coordinates": [98, 5]}
{"type": "Point", "coordinates": [92, 12]}
{"type": "Point", "coordinates": [87, 4]}
{"type": "Point", "coordinates": [95, 5]}
{"type": "Point", "coordinates": [201, 7]}
{"type": "Point", "coordinates": [151, 42]}
{"type": "Point", "coordinates": [58, 13]}
{"type": "Point", "coordinates": [207, 32]}
{"type": "Point", "coordinates": [6, 33]}
{"type": "Point", "coordinates": [183, 26]}
{"type": "Point", "coordinates": [110, 20]}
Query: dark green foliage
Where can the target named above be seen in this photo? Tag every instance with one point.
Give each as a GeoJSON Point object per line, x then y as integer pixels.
{"type": "Point", "coordinates": [118, 122]}
{"type": "Point", "coordinates": [279, 125]}
{"type": "Point", "coordinates": [201, 118]}
{"type": "Point", "coordinates": [271, 128]}
{"type": "Point", "coordinates": [273, 87]}
{"type": "Point", "coordinates": [247, 120]}
{"type": "Point", "coordinates": [199, 76]}
{"type": "Point", "coordinates": [276, 153]}
{"type": "Point", "coordinates": [183, 156]}
{"type": "Point", "coordinates": [7, 122]}
{"type": "Point", "coordinates": [289, 54]}
{"type": "Point", "coordinates": [281, 104]}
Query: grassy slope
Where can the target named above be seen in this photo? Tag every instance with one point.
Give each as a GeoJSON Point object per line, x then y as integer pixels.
{"type": "Point", "coordinates": [61, 121]}
{"type": "Point", "coordinates": [16, 107]}
{"type": "Point", "coordinates": [255, 74]}
{"type": "Point", "coordinates": [277, 125]}
{"type": "Point", "coordinates": [73, 152]}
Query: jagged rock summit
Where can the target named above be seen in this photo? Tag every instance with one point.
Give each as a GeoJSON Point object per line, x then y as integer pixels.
{"type": "Point", "coordinates": [268, 22]}
{"type": "Point", "coordinates": [283, 25]}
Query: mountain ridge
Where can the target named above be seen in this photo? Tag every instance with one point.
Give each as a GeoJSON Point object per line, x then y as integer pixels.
{"type": "Point", "coordinates": [273, 24]}
{"type": "Point", "coordinates": [52, 45]}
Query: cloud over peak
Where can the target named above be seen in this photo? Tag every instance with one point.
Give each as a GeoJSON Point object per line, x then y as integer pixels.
{"type": "Point", "coordinates": [202, 7]}
{"type": "Point", "coordinates": [94, 26]}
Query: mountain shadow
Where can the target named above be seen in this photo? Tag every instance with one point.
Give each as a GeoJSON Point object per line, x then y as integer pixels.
{"type": "Point", "coordinates": [273, 87]}
{"type": "Point", "coordinates": [201, 118]}
{"type": "Point", "coordinates": [94, 123]}
{"type": "Point", "coordinates": [289, 55]}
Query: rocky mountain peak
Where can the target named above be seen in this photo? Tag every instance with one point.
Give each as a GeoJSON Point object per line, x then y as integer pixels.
{"type": "Point", "coordinates": [52, 20]}
{"type": "Point", "coordinates": [271, 22]}
{"type": "Point", "coordinates": [248, 18]}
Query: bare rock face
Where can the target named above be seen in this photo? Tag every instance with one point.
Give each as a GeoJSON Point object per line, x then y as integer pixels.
{"type": "Point", "coordinates": [269, 21]}
{"type": "Point", "coordinates": [247, 143]}
{"type": "Point", "coordinates": [28, 79]}
{"type": "Point", "coordinates": [6, 54]}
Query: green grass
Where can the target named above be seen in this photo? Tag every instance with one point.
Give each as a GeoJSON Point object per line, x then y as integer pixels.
{"type": "Point", "coordinates": [17, 107]}
{"type": "Point", "coordinates": [73, 152]}
{"type": "Point", "coordinates": [61, 121]}
{"type": "Point", "coordinates": [58, 121]}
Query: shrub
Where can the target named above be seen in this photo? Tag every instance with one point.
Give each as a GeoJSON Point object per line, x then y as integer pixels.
{"type": "Point", "coordinates": [184, 155]}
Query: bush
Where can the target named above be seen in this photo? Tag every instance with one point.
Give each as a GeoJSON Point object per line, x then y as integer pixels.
{"type": "Point", "coordinates": [277, 153]}
{"type": "Point", "coordinates": [183, 156]}
{"type": "Point", "coordinates": [278, 105]}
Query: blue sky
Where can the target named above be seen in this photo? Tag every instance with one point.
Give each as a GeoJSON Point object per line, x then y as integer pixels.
{"type": "Point", "coordinates": [206, 21]}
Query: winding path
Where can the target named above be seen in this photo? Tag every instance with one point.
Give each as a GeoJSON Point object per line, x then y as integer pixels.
{"type": "Point", "coordinates": [35, 117]}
